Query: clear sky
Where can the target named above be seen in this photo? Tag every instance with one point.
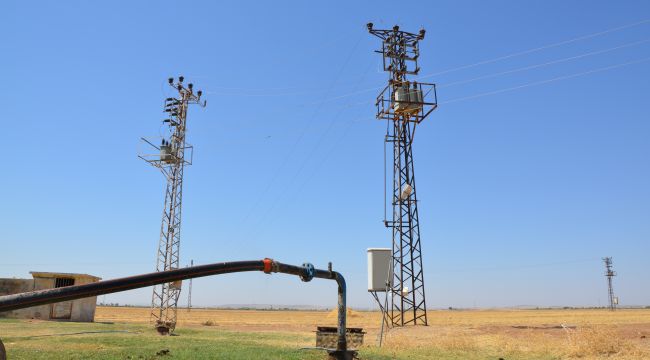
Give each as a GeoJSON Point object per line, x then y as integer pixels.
{"type": "Point", "coordinates": [527, 175]}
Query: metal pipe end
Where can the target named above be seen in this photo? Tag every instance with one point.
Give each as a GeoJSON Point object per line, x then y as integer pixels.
{"type": "Point", "coordinates": [342, 354]}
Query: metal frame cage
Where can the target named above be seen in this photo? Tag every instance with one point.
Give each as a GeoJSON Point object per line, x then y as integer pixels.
{"type": "Point", "coordinates": [411, 52]}
{"type": "Point", "coordinates": [165, 157]}
{"type": "Point", "coordinates": [406, 98]}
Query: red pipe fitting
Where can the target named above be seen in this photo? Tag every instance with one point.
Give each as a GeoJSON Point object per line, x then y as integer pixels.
{"type": "Point", "coordinates": [268, 265]}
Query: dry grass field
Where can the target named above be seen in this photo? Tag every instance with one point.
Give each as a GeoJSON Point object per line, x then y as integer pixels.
{"type": "Point", "coordinates": [124, 333]}
{"type": "Point", "coordinates": [623, 334]}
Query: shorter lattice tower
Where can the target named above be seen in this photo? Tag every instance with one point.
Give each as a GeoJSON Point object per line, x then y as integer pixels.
{"type": "Point", "coordinates": [171, 157]}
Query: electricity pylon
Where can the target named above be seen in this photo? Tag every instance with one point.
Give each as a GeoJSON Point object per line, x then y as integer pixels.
{"type": "Point", "coordinates": [609, 273]}
{"type": "Point", "coordinates": [171, 158]}
{"type": "Point", "coordinates": [404, 105]}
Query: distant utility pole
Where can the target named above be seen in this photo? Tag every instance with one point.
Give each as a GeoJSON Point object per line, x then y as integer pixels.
{"type": "Point", "coordinates": [403, 104]}
{"type": "Point", "coordinates": [189, 291]}
{"type": "Point", "coordinates": [171, 157]}
{"type": "Point", "coordinates": [609, 273]}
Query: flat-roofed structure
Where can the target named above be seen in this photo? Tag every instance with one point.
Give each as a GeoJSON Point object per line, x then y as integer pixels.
{"type": "Point", "coordinates": [81, 310]}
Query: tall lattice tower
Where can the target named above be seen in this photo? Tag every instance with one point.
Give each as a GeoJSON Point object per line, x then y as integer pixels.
{"type": "Point", "coordinates": [171, 157]}
{"type": "Point", "coordinates": [609, 273]}
{"type": "Point", "coordinates": [403, 104]}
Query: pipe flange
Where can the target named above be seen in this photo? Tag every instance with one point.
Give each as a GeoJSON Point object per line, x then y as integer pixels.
{"type": "Point", "coordinates": [270, 266]}
{"type": "Point", "coordinates": [308, 272]}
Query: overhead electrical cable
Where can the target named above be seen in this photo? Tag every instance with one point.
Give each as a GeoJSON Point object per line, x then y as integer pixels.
{"type": "Point", "coordinates": [535, 66]}
{"type": "Point", "coordinates": [530, 51]}
{"type": "Point", "coordinates": [286, 158]}
{"type": "Point", "coordinates": [525, 68]}
{"type": "Point", "coordinates": [283, 195]}
{"type": "Point", "coordinates": [503, 57]}
{"type": "Point", "coordinates": [535, 83]}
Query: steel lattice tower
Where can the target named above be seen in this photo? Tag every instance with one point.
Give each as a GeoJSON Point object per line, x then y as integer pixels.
{"type": "Point", "coordinates": [609, 273]}
{"type": "Point", "coordinates": [403, 104]}
{"type": "Point", "coordinates": [171, 159]}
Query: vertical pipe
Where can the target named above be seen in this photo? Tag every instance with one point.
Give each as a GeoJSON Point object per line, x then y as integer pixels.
{"type": "Point", "coordinates": [342, 342]}
{"type": "Point", "coordinates": [341, 345]}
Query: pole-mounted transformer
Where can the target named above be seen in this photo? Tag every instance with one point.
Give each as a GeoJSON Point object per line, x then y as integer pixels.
{"type": "Point", "coordinates": [403, 103]}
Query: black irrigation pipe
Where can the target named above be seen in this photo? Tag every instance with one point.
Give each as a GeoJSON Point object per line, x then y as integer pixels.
{"type": "Point", "coordinates": [306, 272]}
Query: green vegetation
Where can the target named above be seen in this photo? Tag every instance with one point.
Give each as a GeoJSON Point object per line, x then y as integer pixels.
{"type": "Point", "coordinates": [60, 340]}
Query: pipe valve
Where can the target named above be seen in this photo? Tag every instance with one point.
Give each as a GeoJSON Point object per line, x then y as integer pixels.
{"type": "Point", "coordinates": [308, 272]}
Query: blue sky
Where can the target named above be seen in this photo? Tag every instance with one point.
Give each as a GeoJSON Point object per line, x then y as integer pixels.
{"type": "Point", "coordinates": [521, 191]}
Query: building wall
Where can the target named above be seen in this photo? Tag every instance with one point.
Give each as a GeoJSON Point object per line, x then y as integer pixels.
{"type": "Point", "coordinates": [14, 286]}
{"type": "Point", "coordinates": [83, 310]}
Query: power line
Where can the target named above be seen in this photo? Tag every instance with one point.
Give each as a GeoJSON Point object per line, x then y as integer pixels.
{"type": "Point", "coordinates": [503, 57]}
{"type": "Point", "coordinates": [509, 89]}
{"type": "Point", "coordinates": [516, 267]}
{"type": "Point", "coordinates": [302, 134]}
{"type": "Point", "coordinates": [541, 82]}
{"type": "Point", "coordinates": [530, 67]}
{"type": "Point", "coordinates": [535, 66]}
{"type": "Point", "coordinates": [305, 162]}
{"type": "Point", "coordinates": [272, 92]}
{"type": "Point", "coordinates": [500, 91]}
{"type": "Point", "coordinates": [530, 51]}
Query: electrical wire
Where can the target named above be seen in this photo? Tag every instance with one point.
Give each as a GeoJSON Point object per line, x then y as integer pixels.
{"type": "Point", "coordinates": [302, 134]}
{"type": "Point", "coordinates": [272, 92]}
{"type": "Point", "coordinates": [535, 83]}
{"type": "Point", "coordinates": [503, 57]}
{"type": "Point", "coordinates": [306, 160]}
{"type": "Point", "coordinates": [516, 267]}
{"type": "Point", "coordinates": [507, 89]}
{"type": "Point", "coordinates": [525, 68]}
{"type": "Point", "coordinates": [535, 66]}
{"type": "Point", "coordinates": [500, 91]}
{"type": "Point", "coordinates": [530, 51]}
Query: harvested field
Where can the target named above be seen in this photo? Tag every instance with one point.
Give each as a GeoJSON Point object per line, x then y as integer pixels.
{"type": "Point", "coordinates": [554, 333]}
{"type": "Point", "coordinates": [123, 333]}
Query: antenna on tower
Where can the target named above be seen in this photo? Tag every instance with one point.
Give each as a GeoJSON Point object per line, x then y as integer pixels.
{"type": "Point", "coordinates": [403, 103]}
{"type": "Point", "coordinates": [171, 157]}
{"type": "Point", "coordinates": [609, 273]}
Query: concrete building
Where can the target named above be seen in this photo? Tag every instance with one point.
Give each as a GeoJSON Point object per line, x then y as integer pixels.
{"type": "Point", "coordinates": [82, 310]}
